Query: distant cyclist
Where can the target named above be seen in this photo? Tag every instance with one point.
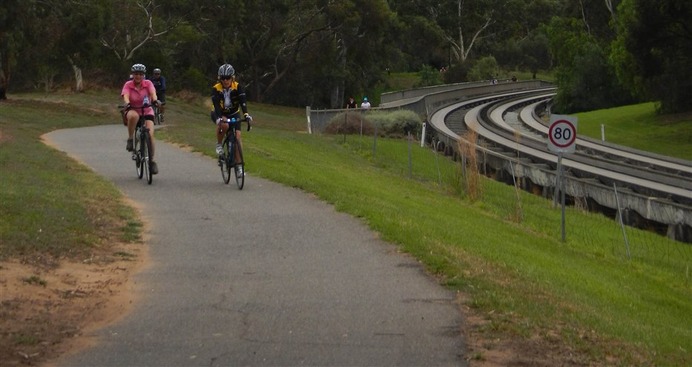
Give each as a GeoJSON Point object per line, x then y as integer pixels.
{"type": "Point", "coordinates": [137, 93]}
{"type": "Point", "coordinates": [159, 82]}
{"type": "Point", "coordinates": [228, 98]}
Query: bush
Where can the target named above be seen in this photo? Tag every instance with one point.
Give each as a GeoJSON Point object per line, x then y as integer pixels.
{"type": "Point", "coordinates": [457, 73]}
{"type": "Point", "coordinates": [195, 80]}
{"type": "Point", "coordinates": [392, 124]}
{"type": "Point", "coordinates": [349, 122]}
{"type": "Point", "coordinates": [484, 69]}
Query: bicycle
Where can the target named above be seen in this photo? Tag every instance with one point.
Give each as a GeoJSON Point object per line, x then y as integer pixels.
{"type": "Point", "coordinates": [142, 147]}
{"type": "Point", "coordinates": [158, 116]}
{"type": "Point", "coordinates": [227, 158]}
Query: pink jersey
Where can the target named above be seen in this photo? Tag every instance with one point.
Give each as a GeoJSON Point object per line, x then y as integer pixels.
{"type": "Point", "coordinates": [137, 95]}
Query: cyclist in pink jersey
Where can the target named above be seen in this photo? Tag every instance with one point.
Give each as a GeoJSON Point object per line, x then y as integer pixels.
{"type": "Point", "coordinates": [136, 93]}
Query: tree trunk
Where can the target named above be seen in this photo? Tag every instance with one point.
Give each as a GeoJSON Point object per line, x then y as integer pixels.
{"type": "Point", "coordinates": [4, 75]}
{"type": "Point", "coordinates": [79, 82]}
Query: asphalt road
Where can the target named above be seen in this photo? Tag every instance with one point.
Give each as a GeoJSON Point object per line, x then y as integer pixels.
{"type": "Point", "coordinates": [266, 276]}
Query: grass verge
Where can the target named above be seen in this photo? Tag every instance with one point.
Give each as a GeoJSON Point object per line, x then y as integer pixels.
{"type": "Point", "coordinates": [43, 216]}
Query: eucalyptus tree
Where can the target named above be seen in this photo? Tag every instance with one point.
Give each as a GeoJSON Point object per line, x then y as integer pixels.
{"type": "Point", "coordinates": [71, 35]}
{"type": "Point", "coordinates": [129, 26]}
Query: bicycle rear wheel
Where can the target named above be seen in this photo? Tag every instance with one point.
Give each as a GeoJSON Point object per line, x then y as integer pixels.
{"type": "Point", "coordinates": [239, 168]}
{"type": "Point", "coordinates": [225, 163]}
{"type": "Point", "coordinates": [146, 156]}
{"type": "Point", "coordinates": [157, 115]}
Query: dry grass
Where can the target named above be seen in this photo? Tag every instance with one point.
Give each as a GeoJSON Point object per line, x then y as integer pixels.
{"type": "Point", "coordinates": [468, 149]}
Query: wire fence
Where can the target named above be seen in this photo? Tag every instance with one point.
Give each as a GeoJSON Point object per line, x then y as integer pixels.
{"type": "Point", "coordinates": [533, 205]}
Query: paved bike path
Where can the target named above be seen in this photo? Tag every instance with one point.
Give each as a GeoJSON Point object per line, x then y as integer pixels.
{"type": "Point", "coordinates": [269, 275]}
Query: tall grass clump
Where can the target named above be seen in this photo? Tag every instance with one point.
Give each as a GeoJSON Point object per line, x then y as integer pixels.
{"type": "Point", "coordinates": [470, 175]}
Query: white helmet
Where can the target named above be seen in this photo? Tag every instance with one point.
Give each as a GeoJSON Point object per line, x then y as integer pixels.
{"type": "Point", "coordinates": [226, 70]}
{"type": "Point", "coordinates": [138, 68]}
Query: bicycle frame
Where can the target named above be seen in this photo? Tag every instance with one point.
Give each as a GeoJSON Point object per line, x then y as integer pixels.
{"type": "Point", "coordinates": [142, 146]}
{"type": "Point", "coordinates": [228, 159]}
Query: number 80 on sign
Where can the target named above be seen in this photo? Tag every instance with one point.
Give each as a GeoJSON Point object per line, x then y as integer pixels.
{"type": "Point", "coordinates": [562, 133]}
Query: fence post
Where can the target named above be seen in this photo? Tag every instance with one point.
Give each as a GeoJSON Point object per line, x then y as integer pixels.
{"type": "Point", "coordinates": [307, 113]}
{"type": "Point", "coordinates": [410, 158]}
{"type": "Point", "coordinates": [374, 142]}
{"type": "Point", "coordinates": [620, 221]}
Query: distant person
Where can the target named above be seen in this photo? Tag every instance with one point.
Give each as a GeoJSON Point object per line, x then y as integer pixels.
{"type": "Point", "coordinates": [159, 82]}
{"type": "Point", "coordinates": [365, 105]}
{"type": "Point", "coordinates": [351, 103]}
{"type": "Point", "coordinates": [514, 78]}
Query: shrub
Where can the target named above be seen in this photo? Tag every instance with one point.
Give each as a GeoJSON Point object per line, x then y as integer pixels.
{"type": "Point", "coordinates": [349, 122]}
{"type": "Point", "coordinates": [393, 124]}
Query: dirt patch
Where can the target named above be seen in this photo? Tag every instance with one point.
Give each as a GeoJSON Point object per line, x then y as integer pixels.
{"type": "Point", "coordinates": [45, 312]}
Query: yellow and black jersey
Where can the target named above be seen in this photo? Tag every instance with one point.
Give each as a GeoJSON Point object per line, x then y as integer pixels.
{"type": "Point", "coordinates": [229, 101]}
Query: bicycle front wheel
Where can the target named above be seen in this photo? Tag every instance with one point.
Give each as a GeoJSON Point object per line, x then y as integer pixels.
{"type": "Point", "coordinates": [146, 156]}
{"type": "Point", "coordinates": [137, 154]}
{"type": "Point", "coordinates": [224, 163]}
{"type": "Point", "coordinates": [239, 168]}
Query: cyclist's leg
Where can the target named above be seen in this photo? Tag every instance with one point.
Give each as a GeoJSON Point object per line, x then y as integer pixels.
{"type": "Point", "coordinates": [162, 99]}
{"type": "Point", "coordinates": [150, 125]}
{"type": "Point", "coordinates": [131, 117]}
{"type": "Point", "coordinates": [220, 133]}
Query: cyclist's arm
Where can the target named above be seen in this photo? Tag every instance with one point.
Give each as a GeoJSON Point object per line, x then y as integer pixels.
{"type": "Point", "coordinates": [125, 93]}
{"type": "Point", "coordinates": [242, 98]}
{"type": "Point", "coordinates": [216, 102]}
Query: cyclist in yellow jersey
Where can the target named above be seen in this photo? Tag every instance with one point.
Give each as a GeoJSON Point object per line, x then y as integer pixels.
{"type": "Point", "coordinates": [229, 99]}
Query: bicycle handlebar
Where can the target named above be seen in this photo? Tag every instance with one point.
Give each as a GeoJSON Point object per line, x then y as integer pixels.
{"type": "Point", "coordinates": [139, 107]}
{"type": "Point", "coordinates": [234, 120]}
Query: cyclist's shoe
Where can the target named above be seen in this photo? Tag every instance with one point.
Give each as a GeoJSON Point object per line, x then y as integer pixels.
{"type": "Point", "coordinates": [154, 168]}
{"type": "Point", "coordinates": [239, 171]}
{"type": "Point", "coordinates": [219, 149]}
{"type": "Point", "coordinates": [129, 146]}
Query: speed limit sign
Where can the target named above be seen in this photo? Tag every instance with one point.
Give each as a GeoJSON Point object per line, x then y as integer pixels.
{"type": "Point", "coordinates": [562, 133]}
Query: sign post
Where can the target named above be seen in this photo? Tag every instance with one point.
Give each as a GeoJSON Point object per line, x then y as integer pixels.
{"type": "Point", "coordinates": [562, 135]}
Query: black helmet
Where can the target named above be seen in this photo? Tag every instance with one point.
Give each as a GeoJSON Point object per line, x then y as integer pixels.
{"type": "Point", "coordinates": [226, 70]}
{"type": "Point", "coordinates": [138, 68]}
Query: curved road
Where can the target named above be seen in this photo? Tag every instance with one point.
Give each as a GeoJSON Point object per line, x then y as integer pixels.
{"type": "Point", "coordinates": [265, 276]}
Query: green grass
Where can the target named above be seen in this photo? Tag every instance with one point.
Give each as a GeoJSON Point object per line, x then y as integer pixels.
{"type": "Point", "coordinates": [514, 269]}
{"type": "Point", "coordinates": [639, 127]}
{"type": "Point", "coordinates": [41, 212]}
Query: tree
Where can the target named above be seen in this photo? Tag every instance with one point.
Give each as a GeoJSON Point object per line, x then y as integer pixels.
{"type": "Point", "coordinates": [15, 17]}
{"type": "Point", "coordinates": [465, 22]}
{"type": "Point", "coordinates": [653, 51]}
{"type": "Point", "coordinates": [131, 27]}
{"type": "Point", "coordinates": [586, 79]}
{"type": "Point", "coordinates": [535, 52]}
